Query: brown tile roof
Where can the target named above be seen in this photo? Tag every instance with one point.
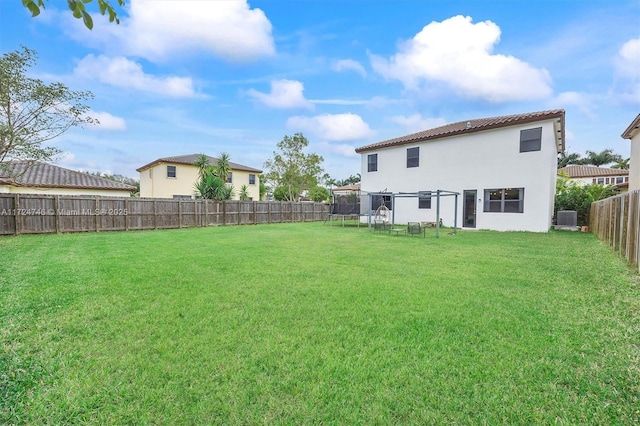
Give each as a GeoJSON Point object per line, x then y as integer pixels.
{"type": "Point", "coordinates": [352, 187]}
{"type": "Point", "coordinates": [42, 175]}
{"type": "Point", "coordinates": [192, 158]}
{"type": "Point", "coordinates": [472, 126]}
{"type": "Point", "coordinates": [579, 171]}
{"type": "Point", "coordinates": [633, 127]}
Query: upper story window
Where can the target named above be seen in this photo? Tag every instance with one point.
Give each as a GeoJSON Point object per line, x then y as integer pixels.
{"type": "Point", "coordinates": [230, 177]}
{"type": "Point", "coordinates": [171, 171]}
{"type": "Point", "coordinates": [424, 200]}
{"type": "Point", "coordinates": [531, 139]}
{"type": "Point", "coordinates": [504, 200]}
{"type": "Point", "coordinates": [413, 157]}
{"type": "Point", "coordinates": [252, 179]}
{"type": "Point", "coordinates": [372, 162]}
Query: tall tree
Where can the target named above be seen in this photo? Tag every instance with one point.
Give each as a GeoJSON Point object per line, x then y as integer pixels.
{"type": "Point", "coordinates": [567, 159]}
{"type": "Point", "coordinates": [601, 158]}
{"type": "Point", "coordinates": [291, 169]}
{"type": "Point", "coordinates": [78, 9]}
{"type": "Point", "coordinates": [622, 164]}
{"type": "Point", "coordinates": [32, 112]}
{"type": "Point", "coordinates": [223, 166]}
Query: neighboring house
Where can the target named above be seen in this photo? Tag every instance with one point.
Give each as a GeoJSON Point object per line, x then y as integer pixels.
{"type": "Point", "coordinates": [633, 133]}
{"type": "Point", "coordinates": [504, 169]}
{"type": "Point", "coordinates": [347, 190]}
{"type": "Point", "coordinates": [592, 174]}
{"type": "Point", "coordinates": [25, 177]}
{"type": "Point", "coordinates": [176, 177]}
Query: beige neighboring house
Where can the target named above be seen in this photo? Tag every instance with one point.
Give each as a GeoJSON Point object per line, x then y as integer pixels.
{"type": "Point", "coordinates": [599, 175]}
{"type": "Point", "coordinates": [176, 177]}
{"type": "Point", "coordinates": [28, 177]}
{"type": "Point", "coordinates": [633, 133]}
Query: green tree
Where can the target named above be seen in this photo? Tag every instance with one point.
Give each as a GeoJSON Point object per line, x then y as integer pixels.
{"type": "Point", "coordinates": [622, 164]}
{"type": "Point", "coordinates": [601, 158]}
{"type": "Point", "coordinates": [212, 178]}
{"type": "Point", "coordinates": [319, 194]}
{"type": "Point", "coordinates": [244, 193]}
{"type": "Point", "coordinates": [78, 9]}
{"type": "Point", "coordinates": [291, 170]}
{"type": "Point", "coordinates": [120, 178]}
{"type": "Point", "coordinates": [202, 163]}
{"type": "Point", "coordinates": [567, 159]}
{"type": "Point", "coordinates": [32, 112]}
{"type": "Point", "coordinates": [264, 189]}
{"type": "Point", "coordinates": [571, 195]}
{"type": "Point", "coordinates": [223, 166]}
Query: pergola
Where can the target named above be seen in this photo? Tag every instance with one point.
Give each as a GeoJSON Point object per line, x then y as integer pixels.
{"type": "Point", "coordinates": [439, 193]}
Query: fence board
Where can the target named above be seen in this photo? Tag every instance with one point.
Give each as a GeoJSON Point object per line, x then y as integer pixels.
{"type": "Point", "coordinates": [38, 214]}
{"type": "Point", "coordinates": [616, 220]}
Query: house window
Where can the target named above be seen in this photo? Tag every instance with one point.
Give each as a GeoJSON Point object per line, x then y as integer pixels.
{"type": "Point", "coordinates": [606, 180]}
{"type": "Point", "coordinates": [372, 162]}
{"type": "Point", "coordinates": [424, 200]}
{"type": "Point", "coordinates": [594, 181]}
{"type": "Point", "coordinates": [252, 179]}
{"type": "Point", "coordinates": [171, 171]}
{"type": "Point", "coordinates": [619, 179]}
{"type": "Point", "coordinates": [504, 200]}
{"type": "Point", "coordinates": [531, 139]}
{"type": "Point", "coordinates": [379, 200]}
{"type": "Point", "coordinates": [600, 181]}
{"type": "Point", "coordinates": [413, 157]}
{"type": "Point", "coordinates": [626, 179]}
{"type": "Point", "coordinates": [230, 177]}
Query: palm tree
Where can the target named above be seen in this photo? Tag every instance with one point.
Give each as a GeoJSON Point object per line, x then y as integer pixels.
{"type": "Point", "coordinates": [601, 158]}
{"type": "Point", "coordinates": [223, 167]}
{"type": "Point", "coordinates": [202, 163]}
{"type": "Point", "coordinates": [622, 164]}
{"type": "Point", "coordinates": [566, 159]}
{"type": "Point", "coordinates": [244, 193]}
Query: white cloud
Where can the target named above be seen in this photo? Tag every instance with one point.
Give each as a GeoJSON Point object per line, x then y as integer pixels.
{"type": "Point", "coordinates": [349, 65]}
{"type": "Point", "coordinates": [415, 122]}
{"type": "Point", "coordinates": [340, 149]}
{"type": "Point", "coordinates": [583, 102]}
{"type": "Point", "coordinates": [284, 94]}
{"type": "Point", "coordinates": [332, 127]}
{"type": "Point", "coordinates": [628, 68]}
{"type": "Point", "coordinates": [228, 29]}
{"type": "Point", "coordinates": [458, 52]}
{"type": "Point", "coordinates": [107, 121]}
{"type": "Point", "coordinates": [125, 73]}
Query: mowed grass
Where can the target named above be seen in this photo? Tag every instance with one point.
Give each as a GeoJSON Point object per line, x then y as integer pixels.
{"type": "Point", "coordinates": [311, 324]}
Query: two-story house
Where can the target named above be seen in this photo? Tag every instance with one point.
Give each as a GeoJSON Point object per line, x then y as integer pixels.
{"type": "Point", "coordinates": [176, 177]}
{"type": "Point", "coordinates": [503, 168]}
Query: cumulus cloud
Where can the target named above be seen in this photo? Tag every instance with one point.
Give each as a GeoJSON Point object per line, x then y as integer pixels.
{"type": "Point", "coordinates": [581, 101]}
{"type": "Point", "coordinates": [340, 149]}
{"type": "Point", "coordinates": [416, 122]}
{"type": "Point", "coordinates": [228, 29]}
{"type": "Point", "coordinates": [124, 73]}
{"type": "Point", "coordinates": [284, 94]}
{"type": "Point", "coordinates": [332, 127]}
{"type": "Point", "coordinates": [107, 121]}
{"type": "Point", "coordinates": [628, 69]}
{"type": "Point", "coordinates": [459, 53]}
{"type": "Point", "coordinates": [349, 65]}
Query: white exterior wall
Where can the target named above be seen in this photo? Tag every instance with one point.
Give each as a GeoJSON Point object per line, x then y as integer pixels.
{"type": "Point", "coordinates": [476, 161]}
{"type": "Point", "coordinates": [634, 163]}
{"type": "Point", "coordinates": [8, 189]}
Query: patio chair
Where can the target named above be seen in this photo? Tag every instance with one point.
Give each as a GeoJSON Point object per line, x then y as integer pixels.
{"type": "Point", "coordinates": [414, 228]}
{"type": "Point", "coordinates": [380, 225]}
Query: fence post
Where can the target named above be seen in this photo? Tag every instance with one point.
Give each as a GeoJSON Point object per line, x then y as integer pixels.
{"type": "Point", "coordinates": [126, 216]}
{"type": "Point", "coordinates": [95, 215]}
{"type": "Point", "coordinates": [16, 213]}
{"type": "Point", "coordinates": [179, 213]}
{"type": "Point", "coordinates": [56, 208]}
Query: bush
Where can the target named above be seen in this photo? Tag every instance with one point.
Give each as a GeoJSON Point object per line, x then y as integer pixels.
{"type": "Point", "coordinates": [571, 195]}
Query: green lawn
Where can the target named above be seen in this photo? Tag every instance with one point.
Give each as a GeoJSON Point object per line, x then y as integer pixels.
{"type": "Point", "coordinates": [311, 324]}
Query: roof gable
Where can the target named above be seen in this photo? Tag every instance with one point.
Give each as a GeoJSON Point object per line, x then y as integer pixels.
{"type": "Point", "coordinates": [632, 129]}
{"type": "Point", "coordinates": [189, 159]}
{"type": "Point", "coordinates": [43, 175]}
{"type": "Point", "coordinates": [477, 125]}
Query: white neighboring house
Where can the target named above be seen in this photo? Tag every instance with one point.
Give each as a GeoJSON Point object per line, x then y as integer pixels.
{"type": "Point", "coordinates": [504, 169]}
{"type": "Point", "coordinates": [633, 133]}
{"type": "Point", "coordinates": [591, 174]}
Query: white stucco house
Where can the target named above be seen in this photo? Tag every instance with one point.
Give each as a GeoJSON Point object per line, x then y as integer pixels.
{"type": "Point", "coordinates": [504, 169]}
{"type": "Point", "coordinates": [585, 174]}
{"type": "Point", "coordinates": [633, 133]}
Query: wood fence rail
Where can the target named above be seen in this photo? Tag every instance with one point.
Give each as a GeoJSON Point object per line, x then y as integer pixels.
{"type": "Point", "coordinates": [39, 214]}
{"type": "Point", "coordinates": [616, 220]}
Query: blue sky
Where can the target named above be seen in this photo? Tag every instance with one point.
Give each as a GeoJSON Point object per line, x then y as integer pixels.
{"type": "Point", "coordinates": [211, 76]}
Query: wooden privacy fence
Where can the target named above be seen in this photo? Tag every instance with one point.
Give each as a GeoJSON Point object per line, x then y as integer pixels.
{"type": "Point", "coordinates": [616, 220]}
{"type": "Point", "coordinates": [38, 214]}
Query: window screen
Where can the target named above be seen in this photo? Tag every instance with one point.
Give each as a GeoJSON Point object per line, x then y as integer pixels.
{"type": "Point", "coordinates": [531, 139]}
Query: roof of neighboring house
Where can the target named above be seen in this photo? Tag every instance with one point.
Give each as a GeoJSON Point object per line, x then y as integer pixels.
{"type": "Point", "coordinates": [189, 159]}
{"type": "Point", "coordinates": [476, 125]}
{"type": "Point", "coordinates": [633, 128]}
{"type": "Point", "coordinates": [352, 187]}
{"type": "Point", "coordinates": [578, 171]}
{"type": "Point", "coordinates": [43, 175]}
